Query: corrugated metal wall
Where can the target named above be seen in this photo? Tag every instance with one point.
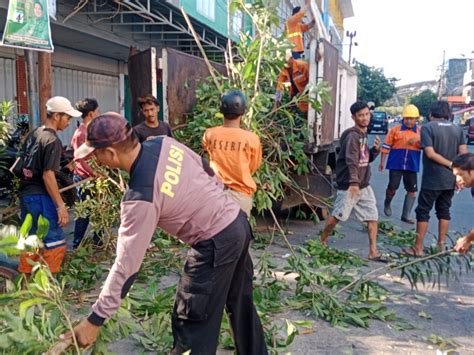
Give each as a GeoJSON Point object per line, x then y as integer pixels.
{"type": "Point", "coordinates": [7, 79]}
{"type": "Point", "coordinates": [75, 85]}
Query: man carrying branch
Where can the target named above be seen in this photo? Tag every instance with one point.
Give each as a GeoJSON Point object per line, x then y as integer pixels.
{"type": "Point", "coordinates": [173, 188]}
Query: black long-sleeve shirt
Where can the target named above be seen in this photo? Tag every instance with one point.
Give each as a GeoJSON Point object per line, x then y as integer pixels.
{"type": "Point", "coordinates": [352, 166]}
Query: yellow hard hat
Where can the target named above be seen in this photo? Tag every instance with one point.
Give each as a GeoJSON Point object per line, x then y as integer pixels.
{"type": "Point", "coordinates": [411, 111]}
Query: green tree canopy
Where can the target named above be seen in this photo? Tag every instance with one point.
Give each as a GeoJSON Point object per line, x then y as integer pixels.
{"type": "Point", "coordinates": [423, 101]}
{"type": "Point", "coordinates": [373, 85]}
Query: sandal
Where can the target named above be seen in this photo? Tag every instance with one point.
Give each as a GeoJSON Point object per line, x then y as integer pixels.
{"type": "Point", "coordinates": [410, 252]}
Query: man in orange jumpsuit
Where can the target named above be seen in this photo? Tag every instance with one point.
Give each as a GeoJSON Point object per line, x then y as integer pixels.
{"type": "Point", "coordinates": [294, 75]}
{"type": "Point", "coordinates": [295, 29]}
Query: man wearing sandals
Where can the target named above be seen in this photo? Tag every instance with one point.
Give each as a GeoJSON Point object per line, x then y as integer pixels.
{"type": "Point", "coordinates": [441, 141]}
{"type": "Point", "coordinates": [463, 169]}
{"type": "Point", "coordinates": [352, 177]}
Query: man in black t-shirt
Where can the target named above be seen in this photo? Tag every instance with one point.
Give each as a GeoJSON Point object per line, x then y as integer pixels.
{"type": "Point", "coordinates": [151, 127]}
{"type": "Point", "coordinates": [441, 142]}
{"type": "Point", "coordinates": [39, 193]}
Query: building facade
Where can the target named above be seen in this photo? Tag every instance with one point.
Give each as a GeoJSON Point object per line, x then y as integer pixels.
{"type": "Point", "coordinates": [92, 47]}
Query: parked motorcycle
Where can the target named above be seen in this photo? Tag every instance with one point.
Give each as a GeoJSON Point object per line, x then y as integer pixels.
{"type": "Point", "coordinates": [9, 154]}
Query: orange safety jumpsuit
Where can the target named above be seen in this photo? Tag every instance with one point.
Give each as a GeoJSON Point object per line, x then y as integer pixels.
{"type": "Point", "coordinates": [295, 30]}
{"type": "Point", "coordinates": [299, 70]}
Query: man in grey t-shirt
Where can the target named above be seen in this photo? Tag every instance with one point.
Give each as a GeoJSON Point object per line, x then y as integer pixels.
{"type": "Point", "coordinates": [441, 142]}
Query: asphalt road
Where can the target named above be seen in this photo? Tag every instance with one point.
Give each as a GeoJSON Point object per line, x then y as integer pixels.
{"type": "Point", "coordinates": [451, 307]}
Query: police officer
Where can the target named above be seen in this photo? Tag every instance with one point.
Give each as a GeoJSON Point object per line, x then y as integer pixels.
{"type": "Point", "coordinates": [172, 188]}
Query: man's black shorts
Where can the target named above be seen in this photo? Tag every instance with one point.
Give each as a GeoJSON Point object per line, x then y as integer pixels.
{"type": "Point", "coordinates": [409, 180]}
{"type": "Point", "coordinates": [441, 200]}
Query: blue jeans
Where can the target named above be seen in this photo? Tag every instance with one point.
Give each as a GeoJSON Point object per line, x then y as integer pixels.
{"type": "Point", "coordinates": [81, 224]}
{"type": "Point", "coordinates": [37, 205]}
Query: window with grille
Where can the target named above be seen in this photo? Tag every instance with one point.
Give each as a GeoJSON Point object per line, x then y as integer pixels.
{"type": "Point", "coordinates": [237, 22]}
{"type": "Point", "coordinates": [206, 8]}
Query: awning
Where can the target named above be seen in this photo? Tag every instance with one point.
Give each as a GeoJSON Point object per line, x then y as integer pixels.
{"type": "Point", "coordinates": [150, 23]}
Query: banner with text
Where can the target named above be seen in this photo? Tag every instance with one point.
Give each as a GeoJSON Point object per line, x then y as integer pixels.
{"type": "Point", "coordinates": [28, 25]}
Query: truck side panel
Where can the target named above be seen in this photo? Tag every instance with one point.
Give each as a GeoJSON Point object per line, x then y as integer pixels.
{"type": "Point", "coordinates": [181, 74]}
{"type": "Point", "coordinates": [330, 70]}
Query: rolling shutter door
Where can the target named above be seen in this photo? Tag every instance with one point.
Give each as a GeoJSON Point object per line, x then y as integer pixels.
{"type": "Point", "coordinates": [76, 85]}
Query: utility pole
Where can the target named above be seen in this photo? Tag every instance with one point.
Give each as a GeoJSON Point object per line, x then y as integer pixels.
{"type": "Point", "coordinates": [441, 79]}
{"type": "Point", "coordinates": [351, 35]}
{"type": "Point", "coordinates": [45, 88]}
{"type": "Point", "coordinates": [32, 89]}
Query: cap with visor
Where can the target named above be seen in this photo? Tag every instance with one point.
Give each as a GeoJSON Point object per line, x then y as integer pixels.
{"type": "Point", "coordinates": [104, 131]}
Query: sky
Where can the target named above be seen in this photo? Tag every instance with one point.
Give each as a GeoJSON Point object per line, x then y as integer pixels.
{"type": "Point", "coordinates": [407, 37]}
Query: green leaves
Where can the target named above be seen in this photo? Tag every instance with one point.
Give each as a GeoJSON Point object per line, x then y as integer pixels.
{"type": "Point", "coordinates": [8, 245]}
{"type": "Point", "coordinates": [431, 269]}
{"type": "Point", "coordinates": [254, 69]}
{"type": "Point", "coordinates": [396, 237]}
{"type": "Point", "coordinates": [423, 101]}
{"type": "Point", "coordinates": [7, 113]}
{"type": "Point", "coordinates": [41, 280]}
{"type": "Point", "coordinates": [13, 240]}
{"type": "Point", "coordinates": [323, 256]}
{"type": "Point", "coordinates": [447, 345]}
{"type": "Point", "coordinates": [25, 305]}
{"type": "Point", "coordinates": [101, 206]}
{"type": "Point", "coordinates": [423, 314]}
{"type": "Point", "coordinates": [27, 225]}
{"type": "Point", "coordinates": [373, 85]}
{"type": "Point", "coordinates": [43, 227]}
{"type": "Point", "coordinates": [83, 270]}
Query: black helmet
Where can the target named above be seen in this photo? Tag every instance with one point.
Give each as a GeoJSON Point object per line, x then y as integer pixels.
{"type": "Point", "coordinates": [233, 102]}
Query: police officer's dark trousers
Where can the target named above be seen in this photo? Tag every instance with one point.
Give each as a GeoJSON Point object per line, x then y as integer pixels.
{"type": "Point", "coordinates": [218, 273]}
